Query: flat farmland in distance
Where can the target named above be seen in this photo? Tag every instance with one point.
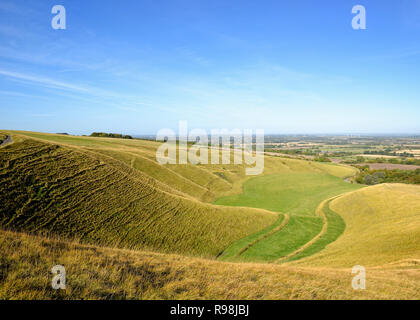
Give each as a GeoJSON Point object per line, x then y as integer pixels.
{"type": "Point", "coordinates": [389, 166]}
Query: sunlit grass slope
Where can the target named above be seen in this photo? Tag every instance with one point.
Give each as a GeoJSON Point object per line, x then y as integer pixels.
{"type": "Point", "coordinates": [74, 192]}
{"type": "Point", "coordinates": [103, 273]}
{"type": "Point", "coordinates": [382, 227]}
{"type": "Point", "coordinates": [296, 193]}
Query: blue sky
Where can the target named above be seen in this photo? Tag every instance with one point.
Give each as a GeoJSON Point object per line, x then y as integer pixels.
{"type": "Point", "coordinates": [138, 66]}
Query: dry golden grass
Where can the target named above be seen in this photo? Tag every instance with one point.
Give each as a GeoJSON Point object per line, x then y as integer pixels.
{"type": "Point", "coordinates": [104, 273]}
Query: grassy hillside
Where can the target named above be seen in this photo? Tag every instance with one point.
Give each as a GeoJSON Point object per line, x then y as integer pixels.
{"type": "Point", "coordinates": [73, 192]}
{"type": "Point", "coordinates": [103, 273]}
{"type": "Point", "coordinates": [84, 195]}
{"type": "Point", "coordinates": [113, 192]}
{"type": "Point", "coordinates": [296, 193]}
{"type": "Point", "coordinates": [382, 227]}
{"type": "Point", "coordinates": [141, 155]}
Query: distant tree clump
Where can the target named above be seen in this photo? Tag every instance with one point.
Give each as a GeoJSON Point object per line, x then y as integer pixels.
{"type": "Point", "coordinates": [372, 177]}
{"type": "Point", "coordinates": [388, 152]}
{"type": "Point", "coordinates": [110, 135]}
{"type": "Point", "coordinates": [322, 159]}
{"type": "Point", "coordinates": [410, 161]}
{"type": "Point", "coordinates": [305, 152]}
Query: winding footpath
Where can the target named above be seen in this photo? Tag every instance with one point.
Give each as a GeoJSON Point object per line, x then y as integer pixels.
{"type": "Point", "coordinates": [332, 227]}
{"type": "Point", "coordinates": [6, 141]}
{"type": "Point", "coordinates": [266, 235]}
{"type": "Point", "coordinates": [321, 212]}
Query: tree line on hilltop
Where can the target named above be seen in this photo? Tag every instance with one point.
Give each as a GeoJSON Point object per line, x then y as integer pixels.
{"type": "Point", "coordinates": [110, 135]}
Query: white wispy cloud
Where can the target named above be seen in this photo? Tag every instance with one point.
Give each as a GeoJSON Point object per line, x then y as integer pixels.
{"type": "Point", "coordinates": [89, 94]}
{"type": "Point", "coordinates": [46, 82]}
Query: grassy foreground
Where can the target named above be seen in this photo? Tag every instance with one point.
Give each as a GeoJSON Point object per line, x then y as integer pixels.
{"type": "Point", "coordinates": [103, 273]}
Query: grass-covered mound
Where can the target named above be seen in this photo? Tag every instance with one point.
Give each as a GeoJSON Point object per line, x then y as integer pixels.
{"type": "Point", "coordinates": [382, 227]}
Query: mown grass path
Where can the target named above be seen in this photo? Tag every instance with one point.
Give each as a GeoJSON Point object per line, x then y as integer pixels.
{"type": "Point", "coordinates": [234, 252]}
{"type": "Point", "coordinates": [283, 224]}
{"type": "Point", "coordinates": [332, 228]}
{"type": "Point", "coordinates": [299, 231]}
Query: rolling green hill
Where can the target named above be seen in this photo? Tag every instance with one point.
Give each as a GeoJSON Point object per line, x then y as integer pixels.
{"type": "Point", "coordinates": [113, 192]}
{"type": "Point", "coordinates": [71, 192]}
